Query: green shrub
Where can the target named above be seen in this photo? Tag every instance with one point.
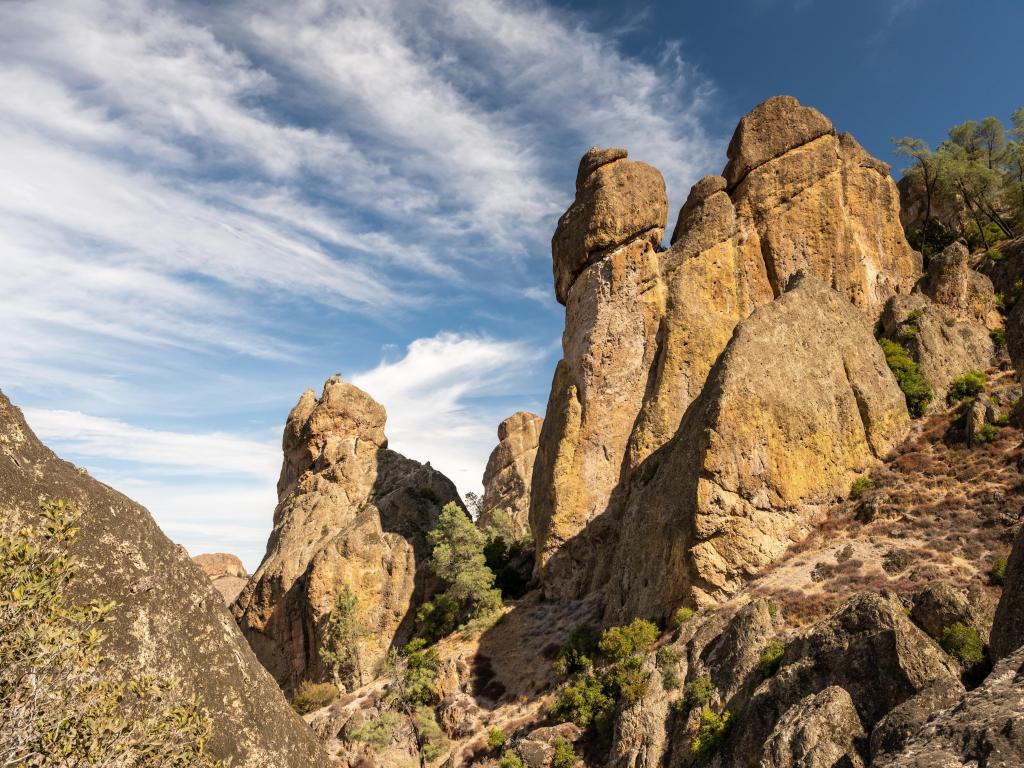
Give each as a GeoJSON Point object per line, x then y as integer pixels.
{"type": "Point", "coordinates": [377, 732]}
{"type": "Point", "coordinates": [577, 654]}
{"type": "Point", "coordinates": [681, 616]}
{"type": "Point", "coordinates": [584, 701]}
{"type": "Point", "coordinates": [997, 573]}
{"type": "Point", "coordinates": [697, 694]}
{"type": "Point", "coordinates": [970, 384]}
{"type": "Point", "coordinates": [986, 433]}
{"type": "Point", "coordinates": [859, 486]}
{"type": "Point", "coordinates": [310, 696]}
{"type": "Point", "coordinates": [995, 254]}
{"type": "Point", "coordinates": [419, 676]}
{"type": "Point", "coordinates": [564, 755]}
{"type": "Point", "coordinates": [713, 730]}
{"type": "Point", "coordinates": [634, 639]}
{"type": "Point", "coordinates": [916, 388]}
{"type": "Point", "coordinates": [771, 657]}
{"type": "Point", "coordinates": [998, 337]}
{"type": "Point", "coordinates": [963, 643]}
{"type": "Point", "coordinates": [61, 704]}
{"type": "Point", "coordinates": [343, 640]}
{"type": "Point", "coordinates": [511, 760]}
{"type": "Point", "coordinates": [496, 738]}
{"type": "Point", "coordinates": [429, 735]}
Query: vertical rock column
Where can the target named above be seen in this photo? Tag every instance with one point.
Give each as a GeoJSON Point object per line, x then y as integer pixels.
{"type": "Point", "coordinates": [606, 266]}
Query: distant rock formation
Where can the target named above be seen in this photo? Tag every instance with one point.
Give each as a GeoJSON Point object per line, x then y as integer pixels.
{"type": "Point", "coordinates": [170, 621]}
{"type": "Point", "coordinates": [225, 571]}
{"type": "Point", "coordinates": [351, 513]}
{"type": "Point", "coordinates": [509, 471]}
{"type": "Point", "coordinates": [644, 328]}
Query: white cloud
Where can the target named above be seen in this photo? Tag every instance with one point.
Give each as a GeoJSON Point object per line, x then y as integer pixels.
{"type": "Point", "coordinates": [444, 399]}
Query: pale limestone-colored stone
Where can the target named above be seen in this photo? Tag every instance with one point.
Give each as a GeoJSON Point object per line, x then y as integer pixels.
{"type": "Point", "coordinates": [350, 513]}
{"type": "Point", "coordinates": [509, 471]}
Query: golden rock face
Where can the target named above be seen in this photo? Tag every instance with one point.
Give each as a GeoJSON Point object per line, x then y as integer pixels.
{"type": "Point", "coordinates": [645, 328]}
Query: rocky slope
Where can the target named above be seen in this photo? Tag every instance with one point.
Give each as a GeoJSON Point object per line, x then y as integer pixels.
{"type": "Point", "coordinates": [509, 471]}
{"type": "Point", "coordinates": [351, 513]}
{"type": "Point", "coordinates": [170, 621]}
{"type": "Point", "coordinates": [225, 571]}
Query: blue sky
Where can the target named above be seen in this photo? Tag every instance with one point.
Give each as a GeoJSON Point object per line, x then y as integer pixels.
{"type": "Point", "coordinates": [207, 207]}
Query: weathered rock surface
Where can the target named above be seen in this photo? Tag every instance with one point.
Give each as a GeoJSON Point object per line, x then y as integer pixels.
{"type": "Point", "coordinates": [941, 605]}
{"type": "Point", "coordinates": [643, 329]}
{"type": "Point", "coordinates": [984, 728]}
{"type": "Point", "coordinates": [538, 746]}
{"type": "Point", "coordinates": [351, 513]}
{"type": "Point", "coordinates": [170, 620]}
{"type": "Point", "coordinates": [225, 571]}
{"type": "Point", "coordinates": [943, 346]}
{"type": "Point", "coordinates": [509, 471]}
{"type": "Point", "coordinates": [1008, 626]}
{"type": "Point", "coordinates": [822, 730]}
{"type": "Point", "coordinates": [759, 453]}
{"type": "Point", "coordinates": [895, 729]}
{"type": "Point", "coordinates": [967, 294]}
{"type": "Point", "coordinates": [869, 648]}
{"type": "Point", "coordinates": [613, 309]}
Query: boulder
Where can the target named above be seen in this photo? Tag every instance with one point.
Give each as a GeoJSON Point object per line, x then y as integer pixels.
{"type": "Point", "coordinates": [984, 728]}
{"type": "Point", "coordinates": [943, 344]}
{"type": "Point", "coordinates": [800, 403]}
{"type": "Point", "coordinates": [169, 620]}
{"type": "Point", "coordinates": [967, 294]}
{"type": "Point", "coordinates": [1008, 627]}
{"type": "Point", "coordinates": [941, 605]}
{"type": "Point", "coordinates": [538, 746]}
{"type": "Point", "coordinates": [617, 200]}
{"type": "Point", "coordinates": [226, 572]}
{"type": "Point", "coordinates": [822, 730]}
{"type": "Point", "coordinates": [509, 471]}
{"type": "Point", "coordinates": [904, 720]}
{"type": "Point", "coordinates": [868, 647]}
{"type": "Point", "coordinates": [351, 513]}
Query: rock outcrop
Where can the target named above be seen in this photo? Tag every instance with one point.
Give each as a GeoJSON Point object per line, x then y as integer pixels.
{"type": "Point", "coordinates": [644, 328]}
{"type": "Point", "coordinates": [170, 621]}
{"type": "Point", "coordinates": [1008, 626]}
{"type": "Point", "coordinates": [509, 471]}
{"type": "Point", "coordinates": [799, 404]}
{"type": "Point", "coordinates": [822, 730]}
{"type": "Point", "coordinates": [351, 513]}
{"type": "Point", "coordinates": [225, 571]}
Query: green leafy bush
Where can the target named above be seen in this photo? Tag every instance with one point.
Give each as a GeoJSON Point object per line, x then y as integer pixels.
{"type": "Point", "coordinates": [971, 384]}
{"type": "Point", "coordinates": [429, 736]}
{"type": "Point", "coordinates": [986, 433]}
{"type": "Point", "coordinates": [343, 640]}
{"type": "Point", "coordinates": [564, 755]}
{"type": "Point", "coordinates": [60, 704]}
{"type": "Point", "coordinates": [998, 337]}
{"type": "Point", "coordinates": [377, 732]}
{"type": "Point", "coordinates": [496, 738]}
{"type": "Point", "coordinates": [419, 673]}
{"type": "Point", "coordinates": [681, 616]}
{"type": "Point", "coordinates": [916, 388]}
{"type": "Point", "coordinates": [584, 701]}
{"type": "Point", "coordinates": [713, 730]}
{"type": "Point", "coordinates": [771, 657]}
{"type": "Point", "coordinates": [963, 643]}
{"type": "Point", "coordinates": [511, 760]}
{"type": "Point", "coordinates": [997, 573]}
{"type": "Point", "coordinates": [628, 641]}
{"type": "Point", "coordinates": [859, 486]}
{"type": "Point", "coordinates": [310, 696]}
{"type": "Point", "coordinates": [697, 694]}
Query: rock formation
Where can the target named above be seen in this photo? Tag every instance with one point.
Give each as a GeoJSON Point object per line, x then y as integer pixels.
{"type": "Point", "coordinates": [170, 621]}
{"type": "Point", "coordinates": [644, 328]}
{"type": "Point", "coordinates": [761, 453]}
{"type": "Point", "coordinates": [225, 571]}
{"type": "Point", "coordinates": [351, 513]}
{"type": "Point", "coordinates": [509, 471]}
{"type": "Point", "coordinates": [1008, 627]}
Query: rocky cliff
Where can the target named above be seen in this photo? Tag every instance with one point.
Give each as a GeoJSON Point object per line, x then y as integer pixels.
{"type": "Point", "coordinates": [509, 471]}
{"type": "Point", "coordinates": [644, 328]}
{"type": "Point", "coordinates": [169, 620]}
{"type": "Point", "coordinates": [351, 513]}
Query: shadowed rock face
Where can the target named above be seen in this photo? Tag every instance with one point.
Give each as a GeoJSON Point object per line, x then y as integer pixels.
{"type": "Point", "coordinates": [509, 470]}
{"type": "Point", "coordinates": [350, 513]}
{"type": "Point", "coordinates": [644, 328]}
{"type": "Point", "coordinates": [169, 621]}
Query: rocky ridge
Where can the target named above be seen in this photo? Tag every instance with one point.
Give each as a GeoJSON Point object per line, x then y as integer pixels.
{"type": "Point", "coordinates": [351, 513]}
{"type": "Point", "coordinates": [509, 471]}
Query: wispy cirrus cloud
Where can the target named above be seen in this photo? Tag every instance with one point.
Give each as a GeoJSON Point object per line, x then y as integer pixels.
{"type": "Point", "coordinates": [205, 203]}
